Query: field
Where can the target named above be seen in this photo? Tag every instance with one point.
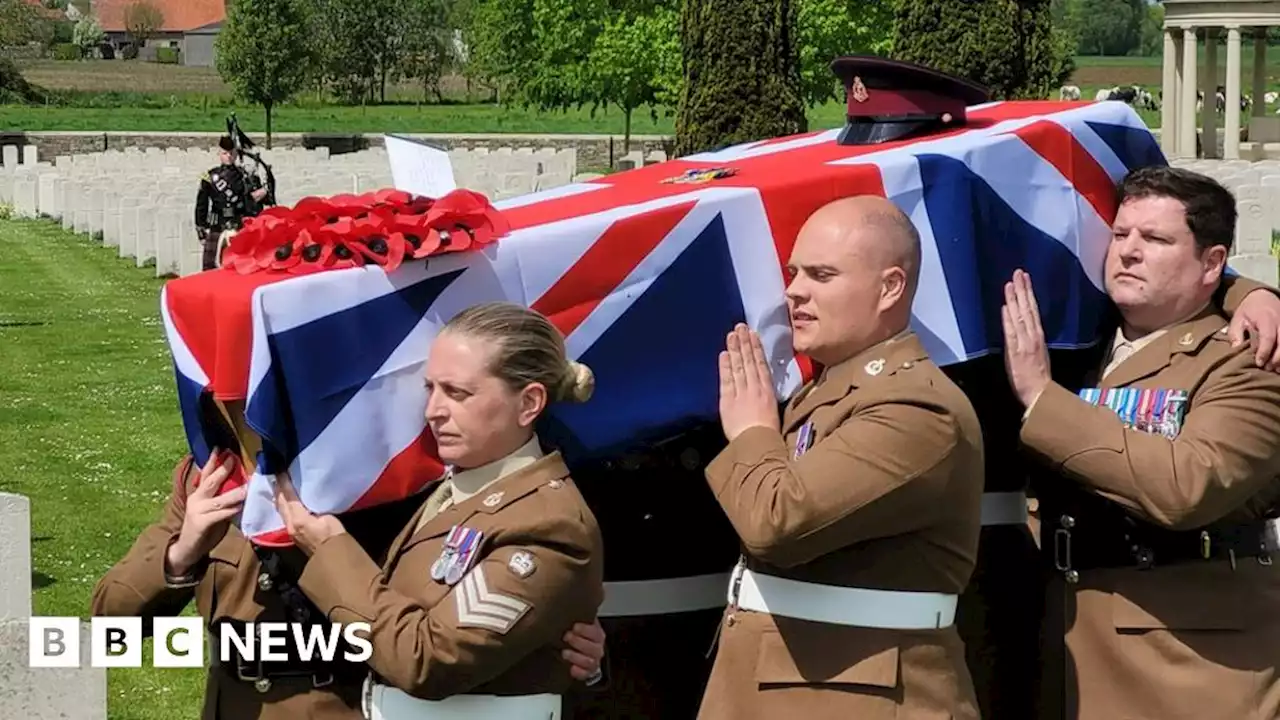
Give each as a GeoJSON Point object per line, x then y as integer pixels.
{"type": "Point", "coordinates": [89, 427]}
{"type": "Point", "coordinates": [135, 96]}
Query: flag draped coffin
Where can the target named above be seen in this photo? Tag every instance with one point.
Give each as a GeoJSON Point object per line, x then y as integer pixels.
{"type": "Point", "coordinates": [644, 275]}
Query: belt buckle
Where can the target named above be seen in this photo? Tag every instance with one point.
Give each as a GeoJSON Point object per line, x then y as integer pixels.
{"type": "Point", "coordinates": [240, 670]}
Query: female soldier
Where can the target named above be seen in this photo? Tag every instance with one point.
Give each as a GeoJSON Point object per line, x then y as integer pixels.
{"type": "Point", "coordinates": [194, 551]}
{"type": "Point", "coordinates": [468, 609]}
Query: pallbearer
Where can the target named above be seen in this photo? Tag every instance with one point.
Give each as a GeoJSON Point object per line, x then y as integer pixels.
{"type": "Point", "coordinates": [1159, 503]}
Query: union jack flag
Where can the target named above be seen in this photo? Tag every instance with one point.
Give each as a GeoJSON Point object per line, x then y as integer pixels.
{"type": "Point", "coordinates": [644, 278]}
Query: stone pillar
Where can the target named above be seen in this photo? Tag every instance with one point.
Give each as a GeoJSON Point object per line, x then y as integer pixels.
{"type": "Point", "coordinates": [1187, 114]}
{"type": "Point", "coordinates": [1169, 101]}
{"type": "Point", "coordinates": [1231, 143]}
{"type": "Point", "coordinates": [1260, 72]}
{"type": "Point", "coordinates": [1209, 83]}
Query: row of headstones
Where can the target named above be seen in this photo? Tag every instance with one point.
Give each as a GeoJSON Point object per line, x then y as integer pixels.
{"type": "Point", "coordinates": [143, 202]}
{"type": "Point", "coordinates": [1256, 187]}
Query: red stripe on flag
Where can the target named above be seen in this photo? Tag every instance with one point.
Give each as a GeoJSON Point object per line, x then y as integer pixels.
{"type": "Point", "coordinates": [1061, 149]}
{"type": "Point", "coordinates": [604, 265]}
{"type": "Point", "coordinates": [408, 473]}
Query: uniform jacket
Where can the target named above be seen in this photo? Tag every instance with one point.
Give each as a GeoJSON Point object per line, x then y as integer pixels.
{"type": "Point", "coordinates": [224, 588]}
{"type": "Point", "coordinates": [887, 497]}
{"type": "Point", "coordinates": [498, 630]}
{"type": "Point", "coordinates": [1180, 640]}
{"type": "Point", "coordinates": [224, 199]}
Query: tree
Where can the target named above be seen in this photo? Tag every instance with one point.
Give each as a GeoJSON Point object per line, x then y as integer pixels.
{"type": "Point", "coordinates": [499, 42]}
{"type": "Point", "coordinates": [1009, 46]}
{"type": "Point", "coordinates": [87, 34]}
{"type": "Point", "coordinates": [428, 47]}
{"type": "Point", "coordinates": [142, 19]}
{"type": "Point", "coordinates": [265, 51]}
{"type": "Point", "coordinates": [828, 29]}
{"type": "Point", "coordinates": [21, 23]}
{"type": "Point", "coordinates": [636, 62]}
{"type": "Point", "coordinates": [741, 73]}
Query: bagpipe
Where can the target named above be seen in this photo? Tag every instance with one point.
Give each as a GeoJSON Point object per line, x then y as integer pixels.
{"type": "Point", "coordinates": [261, 173]}
{"type": "Point", "coordinates": [308, 344]}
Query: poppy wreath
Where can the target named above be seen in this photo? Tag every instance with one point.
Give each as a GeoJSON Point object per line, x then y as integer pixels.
{"type": "Point", "coordinates": [381, 228]}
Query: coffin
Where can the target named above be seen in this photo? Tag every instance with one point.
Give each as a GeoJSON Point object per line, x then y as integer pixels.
{"type": "Point", "coordinates": [644, 272]}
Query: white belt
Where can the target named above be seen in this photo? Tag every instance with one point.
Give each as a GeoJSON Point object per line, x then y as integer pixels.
{"type": "Point", "coordinates": [856, 607]}
{"type": "Point", "coordinates": [383, 702]}
{"type": "Point", "coordinates": [663, 597]}
{"type": "Point", "coordinates": [1004, 508]}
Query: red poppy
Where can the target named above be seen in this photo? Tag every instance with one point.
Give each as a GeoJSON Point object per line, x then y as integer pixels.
{"type": "Point", "coordinates": [347, 230]}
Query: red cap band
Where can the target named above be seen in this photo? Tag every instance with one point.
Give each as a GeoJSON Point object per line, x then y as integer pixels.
{"type": "Point", "coordinates": [896, 103]}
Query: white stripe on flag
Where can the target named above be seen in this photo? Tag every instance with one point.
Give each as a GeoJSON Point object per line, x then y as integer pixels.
{"type": "Point", "coordinates": [563, 191]}
{"type": "Point", "coordinates": [182, 357]}
{"type": "Point", "coordinates": [933, 308]}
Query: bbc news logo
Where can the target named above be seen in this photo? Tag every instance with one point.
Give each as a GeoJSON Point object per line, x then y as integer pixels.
{"type": "Point", "coordinates": [180, 642]}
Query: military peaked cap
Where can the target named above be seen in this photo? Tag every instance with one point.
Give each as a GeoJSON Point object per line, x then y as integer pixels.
{"type": "Point", "coordinates": [894, 100]}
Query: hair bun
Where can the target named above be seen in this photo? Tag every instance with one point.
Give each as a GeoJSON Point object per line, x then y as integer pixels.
{"type": "Point", "coordinates": [579, 382]}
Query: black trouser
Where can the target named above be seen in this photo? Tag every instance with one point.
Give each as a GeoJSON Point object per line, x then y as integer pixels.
{"type": "Point", "coordinates": [209, 240]}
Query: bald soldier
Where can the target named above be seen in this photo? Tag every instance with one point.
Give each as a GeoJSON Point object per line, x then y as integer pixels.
{"type": "Point", "coordinates": [858, 514]}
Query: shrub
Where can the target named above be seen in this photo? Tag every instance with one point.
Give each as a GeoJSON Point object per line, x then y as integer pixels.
{"type": "Point", "coordinates": [66, 51]}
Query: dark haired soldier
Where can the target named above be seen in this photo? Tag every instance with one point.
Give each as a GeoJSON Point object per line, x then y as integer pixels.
{"type": "Point", "coordinates": [228, 194]}
{"type": "Point", "coordinates": [1159, 503]}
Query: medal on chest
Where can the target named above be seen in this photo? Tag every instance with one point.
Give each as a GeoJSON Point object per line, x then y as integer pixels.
{"type": "Point", "coordinates": [804, 439]}
{"type": "Point", "coordinates": [459, 552]}
{"type": "Point", "coordinates": [1159, 411]}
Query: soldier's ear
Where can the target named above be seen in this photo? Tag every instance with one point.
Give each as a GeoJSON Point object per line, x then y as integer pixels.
{"type": "Point", "coordinates": [533, 400]}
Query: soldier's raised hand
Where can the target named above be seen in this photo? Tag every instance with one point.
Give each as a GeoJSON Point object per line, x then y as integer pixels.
{"type": "Point", "coordinates": [207, 516]}
{"type": "Point", "coordinates": [747, 398]}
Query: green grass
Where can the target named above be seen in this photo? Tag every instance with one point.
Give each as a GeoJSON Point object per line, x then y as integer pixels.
{"type": "Point", "coordinates": [89, 428]}
{"type": "Point", "coordinates": [372, 119]}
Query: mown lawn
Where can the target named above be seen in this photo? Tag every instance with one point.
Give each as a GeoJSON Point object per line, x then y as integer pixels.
{"type": "Point", "coordinates": [89, 428]}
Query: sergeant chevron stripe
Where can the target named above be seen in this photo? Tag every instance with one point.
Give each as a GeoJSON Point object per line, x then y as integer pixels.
{"type": "Point", "coordinates": [480, 607]}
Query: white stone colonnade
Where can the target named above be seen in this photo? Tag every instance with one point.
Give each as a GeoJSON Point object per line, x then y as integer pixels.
{"type": "Point", "coordinates": [1188, 24]}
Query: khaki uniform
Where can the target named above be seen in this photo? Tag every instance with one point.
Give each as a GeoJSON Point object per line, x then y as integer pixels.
{"type": "Point", "coordinates": [1164, 606]}
{"type": "Point", "coordinates": [227, 588]}
{"type": "Point", "coordinates": [887, 497]}
{"type": "Point", "coordinates": [497, 629]}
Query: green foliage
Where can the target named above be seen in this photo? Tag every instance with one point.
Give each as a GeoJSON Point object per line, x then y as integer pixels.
{"type": "Point", "coordinates": [1009, 46]}
{"type": "Point", "coordinates": [428, 49]}
{"type": "Point", "coordinates": [1153, 31]}
{"type": "Point", "coordinates": [66, 51]}
{"type": "Point", "coordinates": [14, 89]}
{"type": "Point", "coordinates": [352, 37]}
{"type": "Point", "coordinates": [21, 23]}
{"type": "Point", "coordinates": [741, 73]}
{"type": "Point", "coordinates": [1108, 27]}
{"type": "Point", "coordinates": [265, 52]}
{"type": "Point", "coordinates": [167, 55]}
{"type": "Point", "coordinates": [827, 29]}
{"type": "Point", "coordinates": [499, 40]}
{"type": "Point", "coordinates": [636, 62]}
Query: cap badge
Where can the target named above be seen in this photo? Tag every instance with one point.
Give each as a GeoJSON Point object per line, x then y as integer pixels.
{"type": "Point", "coordinates": [859, 91]}
{"type": "Point", "coordinates": [874, 367]}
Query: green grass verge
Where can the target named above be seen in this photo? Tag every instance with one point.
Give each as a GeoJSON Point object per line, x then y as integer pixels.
{"type": "Point", "coordinates": [370, 119]}
{"type": "Point", "coordinates": [89, 428]}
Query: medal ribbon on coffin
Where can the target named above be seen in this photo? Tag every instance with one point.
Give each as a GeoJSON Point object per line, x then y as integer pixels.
{"type": "Point", "coordinates": [1158, 411]}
